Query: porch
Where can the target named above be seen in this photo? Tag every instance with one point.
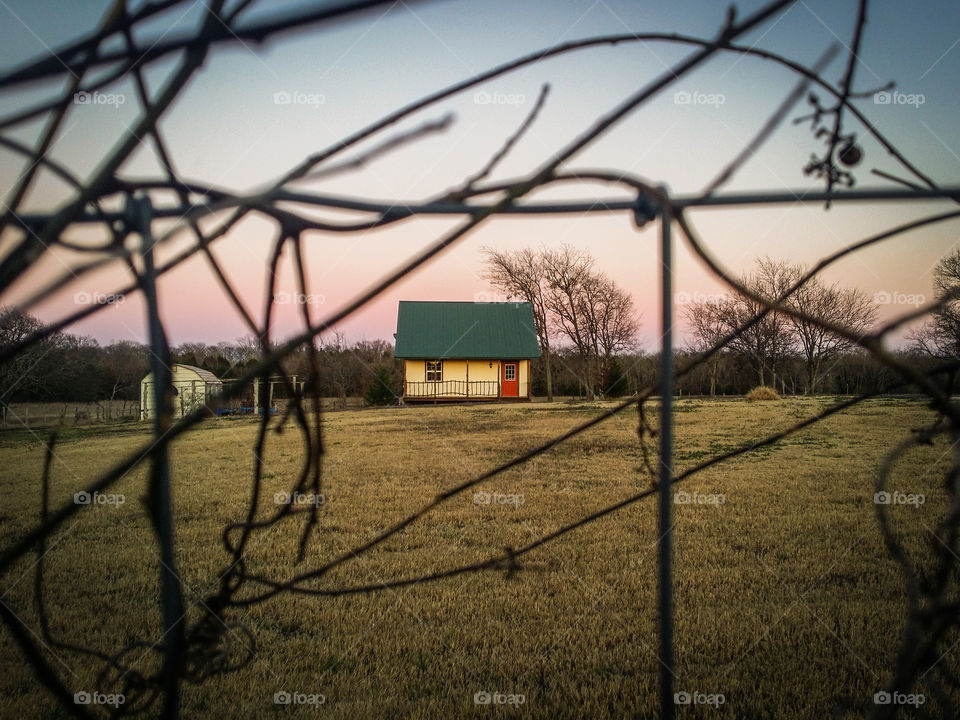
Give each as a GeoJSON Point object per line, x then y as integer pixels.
{"type": "Point", "coordinates": [452, 390]}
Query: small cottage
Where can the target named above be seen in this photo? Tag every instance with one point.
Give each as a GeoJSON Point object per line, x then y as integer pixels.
{"type": "Point", "coordinates": [465, 350]}
{"type": "Point", "coordinates": [193, 387]}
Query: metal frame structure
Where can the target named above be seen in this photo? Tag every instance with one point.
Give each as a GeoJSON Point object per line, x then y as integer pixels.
{"type": "Point", "coordinates": [193, 652]}
{"type": "Point", "coordinates": [140, 214]}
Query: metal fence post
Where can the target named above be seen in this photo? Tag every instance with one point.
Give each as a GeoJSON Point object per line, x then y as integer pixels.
{"type": "Point", "coordinates": [159, 493]}
{"type": "Point", "coordinates": [664, 544]}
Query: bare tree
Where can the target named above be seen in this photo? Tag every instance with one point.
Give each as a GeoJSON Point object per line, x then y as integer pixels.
{"type": "Point", "coordinates": [611, 326]}
{"type": "Point", "coordinates": [940, 336]}
{"type": "Point", "coordinates": [570, 300]}
{"type": "Point", "coordinates": [707, 329]}
{"type": "Point", "coordinates": [20, 372]}
{"type": "Point", "coordinates": [757, 343]}
{"type": "Point", "coordinates": [567, 270]}
{"type": "Point", "coordinates": [763, 343]}
{"type": "Point", "coordinates": [588, 309]}
{"type": "Point", "coordinates": [818, 307]}
{"type": "Point", "coordinates": [336, 365]}
{"type": "Point", "coordinates": [521, 273]}
{"type": "Point", "coordinates": [611, 321]}
{"type": "Point", "coordinates": [124, 364]}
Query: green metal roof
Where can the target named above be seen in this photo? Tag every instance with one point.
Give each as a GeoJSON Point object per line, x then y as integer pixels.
{"type": "Point", "coordinates": [466, 330]}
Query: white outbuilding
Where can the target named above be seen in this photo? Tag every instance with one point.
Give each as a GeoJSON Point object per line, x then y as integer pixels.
{"type": "Point", "coordinates": [193, 387]}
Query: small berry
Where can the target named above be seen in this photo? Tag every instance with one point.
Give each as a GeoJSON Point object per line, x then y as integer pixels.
{"type": "Point", "coordinates": [850, 155]}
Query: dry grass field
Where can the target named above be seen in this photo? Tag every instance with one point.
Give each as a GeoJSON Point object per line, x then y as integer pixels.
{"type": "Point", "coordinates": [786, 599]}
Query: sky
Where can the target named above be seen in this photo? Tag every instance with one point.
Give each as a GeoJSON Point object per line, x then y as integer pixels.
{"type": "Point", "coordinates": [232, 127]}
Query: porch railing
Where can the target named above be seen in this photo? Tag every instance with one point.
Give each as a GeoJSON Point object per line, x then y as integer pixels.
{"type": "Point", "coordinates": [453, 388]}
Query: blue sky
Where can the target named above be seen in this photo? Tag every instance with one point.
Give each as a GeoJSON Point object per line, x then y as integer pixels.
{"type": "Point", "coordinates": [227, 129]}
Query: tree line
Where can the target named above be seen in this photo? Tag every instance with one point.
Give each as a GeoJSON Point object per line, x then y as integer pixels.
{"type": "Point", "coordinates": [586, 327]}
{"type": "Point", "coordinates": [77, 369]}
{"type": "Point", "coordinates": [778, 339]}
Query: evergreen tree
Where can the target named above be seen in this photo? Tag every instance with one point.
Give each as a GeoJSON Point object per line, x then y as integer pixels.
{"type": "Point", "coordinates": [616, 382]}
{"type": "Point", "coordinates": [380, 390]}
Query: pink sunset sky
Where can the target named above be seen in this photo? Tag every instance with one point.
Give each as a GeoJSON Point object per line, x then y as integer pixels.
{"type": "Point", "coordinates": [229, 130]}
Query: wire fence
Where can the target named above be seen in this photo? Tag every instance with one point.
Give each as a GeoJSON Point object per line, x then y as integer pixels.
{"type": "Point", "coordinates": [217, 643]}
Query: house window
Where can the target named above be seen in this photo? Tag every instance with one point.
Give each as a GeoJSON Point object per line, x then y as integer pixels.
{"type": "Point", "coordinates": [509, 372]}
{"type": "Point", "coordinates": [434, 370]}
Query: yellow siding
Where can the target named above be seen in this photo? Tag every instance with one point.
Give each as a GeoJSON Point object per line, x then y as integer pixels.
{"type": "Point", "coordinates": [415, 371]}
{"type": "Point", "coordinates": [481, 370]}
{"type": "Point", "coordinates": [455, 370]}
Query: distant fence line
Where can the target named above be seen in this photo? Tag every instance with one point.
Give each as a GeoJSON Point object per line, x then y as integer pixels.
{"type": "Point", "coordinates": [34, 414]}
{"type": "Point", "coordinates": [59, 414]}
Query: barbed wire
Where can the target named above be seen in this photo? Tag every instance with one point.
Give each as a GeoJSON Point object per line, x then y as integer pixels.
{"type": "Point", "coordinates": [193, 650]}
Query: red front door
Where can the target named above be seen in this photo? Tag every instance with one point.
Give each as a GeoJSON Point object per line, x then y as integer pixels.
{"type": "Point", "coordinates": [510, 379]}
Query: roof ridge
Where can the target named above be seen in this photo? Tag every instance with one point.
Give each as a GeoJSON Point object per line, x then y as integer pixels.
{"type": "Point", "coordinates": [468, 302]}
{"type": "Point", "coordinates": [199, 370]}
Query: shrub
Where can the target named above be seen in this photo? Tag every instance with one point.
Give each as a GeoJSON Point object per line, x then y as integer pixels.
{"type": "Point", "coordinates": [380, 390]}
{"type": "Point", "coordinates": [616, 382]}
{"type": "Point", "coordinates": [762, 392]}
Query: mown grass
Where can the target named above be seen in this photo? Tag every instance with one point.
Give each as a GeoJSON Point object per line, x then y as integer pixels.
{"type": "Point", "coordinates": [786, 600]}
